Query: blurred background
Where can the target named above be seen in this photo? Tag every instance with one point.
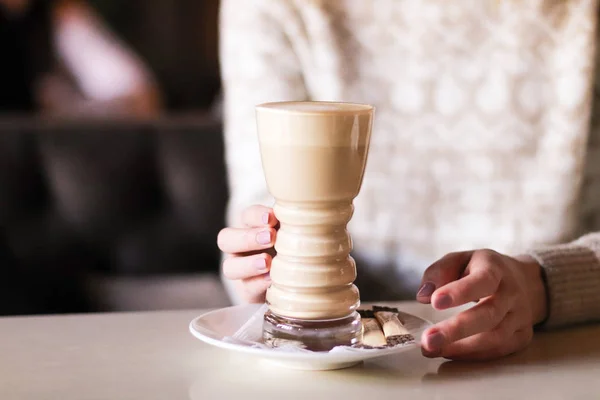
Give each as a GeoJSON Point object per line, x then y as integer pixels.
{"type": "Point", "coordinates": [112, 180]}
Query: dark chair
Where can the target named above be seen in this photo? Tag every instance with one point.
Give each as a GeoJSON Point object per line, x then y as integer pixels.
{"type": "Point", "coordinates": [110, 215]}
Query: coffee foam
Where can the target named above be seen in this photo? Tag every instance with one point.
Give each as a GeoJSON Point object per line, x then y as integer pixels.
{"type": "Point", "coordinates": [317, 107]}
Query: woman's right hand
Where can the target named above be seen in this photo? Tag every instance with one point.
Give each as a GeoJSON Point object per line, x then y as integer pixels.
{"type": "Point", "coordinates": [249, 251]}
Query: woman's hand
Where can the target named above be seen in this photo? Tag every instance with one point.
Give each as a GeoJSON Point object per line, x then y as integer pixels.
{"type": "Point", "coordinates": [511, 300]}
{"type": "Point", "coordinates": [249, 252]}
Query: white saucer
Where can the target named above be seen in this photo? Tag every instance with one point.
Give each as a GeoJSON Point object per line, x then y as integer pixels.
{"type": "Point", "coordinates": [214, 326]}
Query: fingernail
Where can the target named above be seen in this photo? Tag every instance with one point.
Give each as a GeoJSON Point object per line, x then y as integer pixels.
{"type": "Point", "coordinates": [260, 264]}
{"type": "Point", "coordinates": [435, 341]}
{"type": "Point", "coordinates": [426, 290]}
{"type": "Point", "coordinates": [443, 301]}
{"type": "Point", "coordinates": [268, 277]}
{"type": "Point", "coordinates": [263, 237]}
{"type": "Point", "coordinates": [266, 217]}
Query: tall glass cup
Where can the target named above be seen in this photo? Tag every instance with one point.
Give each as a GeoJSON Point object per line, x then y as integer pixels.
{"type": "Point", "coordinates": [313, 156]}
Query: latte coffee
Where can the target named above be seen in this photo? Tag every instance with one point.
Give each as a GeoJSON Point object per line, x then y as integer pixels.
{"type": "Point", "coordinates": [313, 156]}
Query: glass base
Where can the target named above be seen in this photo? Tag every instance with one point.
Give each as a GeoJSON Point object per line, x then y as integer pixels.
{"type": "Point", "coordinates": [314, 335]}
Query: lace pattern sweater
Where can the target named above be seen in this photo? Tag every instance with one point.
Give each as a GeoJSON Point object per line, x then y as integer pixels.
{"type": "Point", "coordinates": [485, 134]}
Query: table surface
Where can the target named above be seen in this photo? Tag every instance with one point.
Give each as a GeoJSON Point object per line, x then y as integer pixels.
{"type": "Point", "coordinates": [151, 355]}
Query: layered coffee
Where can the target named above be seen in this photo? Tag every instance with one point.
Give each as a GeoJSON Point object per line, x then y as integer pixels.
{"type": "Point", "coordinates": [313, 156]}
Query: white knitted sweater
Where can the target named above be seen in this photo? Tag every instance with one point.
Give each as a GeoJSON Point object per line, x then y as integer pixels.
{"type": "Point", "coordinates": [482, 119]}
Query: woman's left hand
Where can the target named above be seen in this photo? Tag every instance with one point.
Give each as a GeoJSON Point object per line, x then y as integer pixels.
{"type": "Point", "coordinates": [511, 300]}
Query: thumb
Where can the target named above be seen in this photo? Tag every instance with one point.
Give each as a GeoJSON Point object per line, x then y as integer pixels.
{"type": "Point", "coordinates": [447, 269]}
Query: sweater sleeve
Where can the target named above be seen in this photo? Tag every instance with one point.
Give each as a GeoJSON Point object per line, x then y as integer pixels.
{"type": "Point", "coordinates": [572, 274]}
{"type": "Point", "coordinates": [258, 65]}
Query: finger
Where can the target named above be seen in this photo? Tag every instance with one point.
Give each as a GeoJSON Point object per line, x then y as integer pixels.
{"type": "Point", "coordinates": [484, 316]}
{"type": "Point", "coordinates": [254, 289]}
{"type": "Point", "coordinates": [235, 240]}
{"type": "Point", "coordinates": [482, 280]}
{"type": "Point", "coordinates": [257, 216]}
{"type": "Point", "coordinates": [487, 341]}
{"type": "Point", "coordinates": [512, 344]}
{"type": "Point", "coordinates": [246, 267]}
{"type": "Point", "coordinates": [447, 269]}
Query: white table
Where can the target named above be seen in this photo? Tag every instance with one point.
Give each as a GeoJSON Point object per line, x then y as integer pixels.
{"type": "Point", "coordinates": [151, 355]}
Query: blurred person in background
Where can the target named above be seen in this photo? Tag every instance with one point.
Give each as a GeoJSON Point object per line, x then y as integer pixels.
{"type": "Point", "coordinates": [481, 128]}
{"type": "Point", "coordinates": [59, 58]}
